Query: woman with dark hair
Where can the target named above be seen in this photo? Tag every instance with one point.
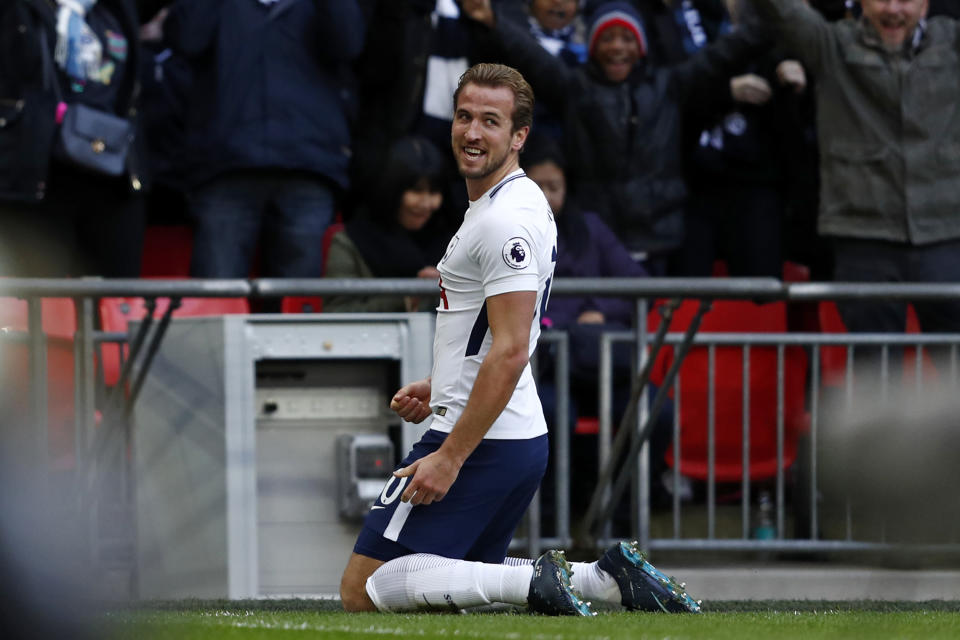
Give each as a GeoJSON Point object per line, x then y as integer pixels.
{"type": "Point", "coordinates": [394, 233]}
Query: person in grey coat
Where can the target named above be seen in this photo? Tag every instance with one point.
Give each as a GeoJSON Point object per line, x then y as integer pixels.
{"type": "Point", "coordinates": [889, 135]}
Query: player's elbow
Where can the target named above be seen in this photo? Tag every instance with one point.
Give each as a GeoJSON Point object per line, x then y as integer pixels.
{"type": "Point", "coordinates": [515, 358]}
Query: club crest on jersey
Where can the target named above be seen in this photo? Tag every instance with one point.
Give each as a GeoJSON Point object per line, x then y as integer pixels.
{"type": "Point", "coordinates": [516, 253]}
{"type": "Point", "coordinates": [454, 241]}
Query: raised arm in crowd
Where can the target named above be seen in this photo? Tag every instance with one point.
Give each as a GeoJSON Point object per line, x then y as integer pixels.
{"type": "Point", "coordinates": [623, 116]}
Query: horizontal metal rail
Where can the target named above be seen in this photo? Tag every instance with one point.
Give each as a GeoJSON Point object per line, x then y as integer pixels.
{"type": "Point", "coordinates": [927, 291]}
{"type": "Point", "coordinates": [805, 339]}
{"type": "Point", "coordinates": [767, 546]}
{"type": "Point", "coordinates": [123, 288]}
{"type": "Point", "coordinates": [767, 289]}
{"type": "Point", "coordinates": [808, 546]}
{"type": "Point", "coordinates": [752, 288]}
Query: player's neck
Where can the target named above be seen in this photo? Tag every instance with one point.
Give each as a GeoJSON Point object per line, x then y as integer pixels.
{"type": "Point", "coordinates": [476, 187]}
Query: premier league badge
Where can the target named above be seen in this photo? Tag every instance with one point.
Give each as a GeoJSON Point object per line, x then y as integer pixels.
{"type": "Point", "coordinates": [516, 253]}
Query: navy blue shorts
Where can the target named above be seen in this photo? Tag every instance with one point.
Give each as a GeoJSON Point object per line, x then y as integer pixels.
{"type": "Point", "coordinates": [477, 517]}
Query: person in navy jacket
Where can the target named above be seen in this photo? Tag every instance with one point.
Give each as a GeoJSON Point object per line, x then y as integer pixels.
{"type": "Point", "coordinates": [268, 129]}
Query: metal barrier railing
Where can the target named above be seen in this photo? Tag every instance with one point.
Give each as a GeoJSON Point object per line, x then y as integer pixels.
{"type": "Point", "coordinates": [86, 291]}
{"type": "Point", "coordinates": [779, 341]}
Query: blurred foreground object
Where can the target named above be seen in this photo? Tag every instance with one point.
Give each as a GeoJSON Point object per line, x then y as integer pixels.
{"type": "Point", "coordinates": [894, 455]}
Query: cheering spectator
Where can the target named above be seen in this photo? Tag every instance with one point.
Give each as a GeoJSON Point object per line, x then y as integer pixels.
{"type": "Point", "coordinates": [890, 197]}
{"type": "Point", "coordinates": [676, 29]}
{"type": "Point", "coordinates": [738, 172]}
{"type": "Point", "coordinates": [558, 27]}
{"type": "Point", "coordinates": [623, 118]}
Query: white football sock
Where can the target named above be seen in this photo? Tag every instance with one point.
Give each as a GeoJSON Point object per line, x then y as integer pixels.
{"type": "Point", "coordinates": [425, 581]}
{"type": "Point", "coordinates": [593, 583]}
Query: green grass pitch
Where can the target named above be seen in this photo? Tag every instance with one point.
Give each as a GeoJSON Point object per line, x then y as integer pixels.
{"type": "Point", "coordinates": [303, 619]}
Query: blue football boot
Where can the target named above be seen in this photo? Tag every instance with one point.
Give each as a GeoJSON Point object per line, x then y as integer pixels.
{"type": "Point", "coordinates": [643, 587]}
{"type": "Point", "coordinates": [550, 590]}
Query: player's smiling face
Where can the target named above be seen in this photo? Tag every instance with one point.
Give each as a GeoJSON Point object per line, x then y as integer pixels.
{"type": "Point", "coordinates": [484, 143]}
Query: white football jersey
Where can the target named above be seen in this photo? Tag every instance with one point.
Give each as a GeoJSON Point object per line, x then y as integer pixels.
{"type": "Point", "coordinates": [507, 242]}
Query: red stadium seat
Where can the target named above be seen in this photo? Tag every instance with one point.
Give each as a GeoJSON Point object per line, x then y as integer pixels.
{"type": "Point", "coordinates": [117, 313]}
{"type": "Point", "coordinates": [795, 272]}
{"type": "Point", "coordinates": [587, 426]}
{"type": "Point", "coordinates": [301, 304]}
{"type": "Point", "coordinates": [735, 317]}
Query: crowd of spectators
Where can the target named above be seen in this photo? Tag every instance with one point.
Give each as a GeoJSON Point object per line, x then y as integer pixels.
{"type": "Point", "coordinates": [690, 127]}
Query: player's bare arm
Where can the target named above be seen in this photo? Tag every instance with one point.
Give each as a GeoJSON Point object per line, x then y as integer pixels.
{"type": "Point", "coordinates": [510, 316]}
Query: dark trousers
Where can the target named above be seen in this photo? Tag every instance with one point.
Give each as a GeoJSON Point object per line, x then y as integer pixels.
{"type": "Point", "coordinates": [87, 225]}
{"type": "Point", "coordinates": [740, 224]}
{"type": "Point", "coordinates": [880, 261]}
{"type": "Point", "coordinates": [283, 213]}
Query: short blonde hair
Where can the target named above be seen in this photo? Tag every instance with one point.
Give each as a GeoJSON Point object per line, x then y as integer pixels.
{"type": "Point", "coordinates": [487, 74]}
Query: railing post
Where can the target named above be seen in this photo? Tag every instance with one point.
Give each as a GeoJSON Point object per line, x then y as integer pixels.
{"type": "Point", "coordinates": [84, 381]}
{"type": "Point", "coordinates": [87, 499]}
{"type": "Point", "coordinates": [605, 409]}
{"type": "Point", "coordinates": [562, 437]}
{"type": "Point", "coordinates": [38, 384]}
{"type": "Point", "coordinates": [642, 477]}
{"type": "Point", "coordinates": [814, 426]}
{"type": "Point", "coordinates": [781, 435]}
{"type": "Point", "coordinates": [711, 443]}
{"type": "Point", "coordinates": [745, 451]}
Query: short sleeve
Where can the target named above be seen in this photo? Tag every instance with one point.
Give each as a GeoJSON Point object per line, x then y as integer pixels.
{"type": "Point", "coordinates": [507, 253]}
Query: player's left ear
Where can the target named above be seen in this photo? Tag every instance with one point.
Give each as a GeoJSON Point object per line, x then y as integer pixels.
{"type": "Point", "coordinates": [519, 138]}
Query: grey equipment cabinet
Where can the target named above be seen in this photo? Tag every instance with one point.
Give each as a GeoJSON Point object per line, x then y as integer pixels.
{"type": "Point", "coordinates": [235, 445]}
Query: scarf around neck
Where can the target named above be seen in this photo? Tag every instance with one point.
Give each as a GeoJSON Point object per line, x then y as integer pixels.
{"type": "Point", "coordinates": [78, 51]}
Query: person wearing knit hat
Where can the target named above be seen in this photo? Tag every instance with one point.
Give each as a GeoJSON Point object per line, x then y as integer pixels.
{"type": "Point", "coordinates": [616, 14]}
{"type": "Point", "coordinates": [616, 41]}
{"type": "Point", "coordinates": [623, 116]}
